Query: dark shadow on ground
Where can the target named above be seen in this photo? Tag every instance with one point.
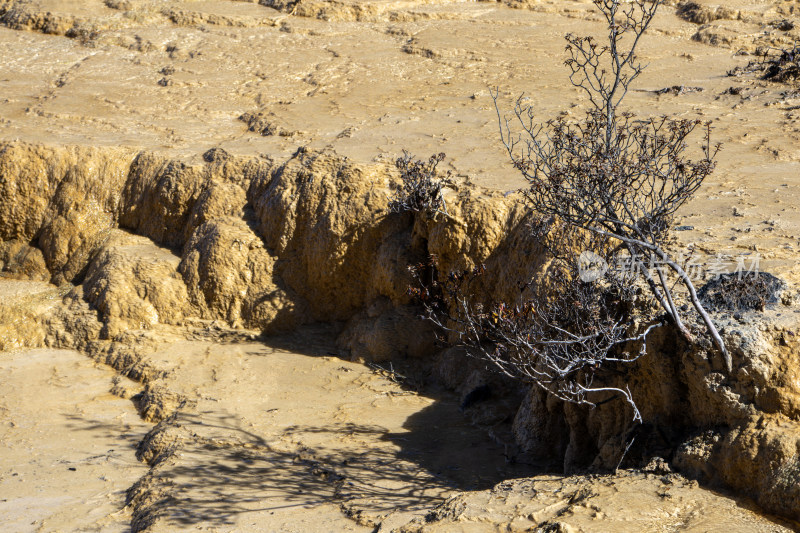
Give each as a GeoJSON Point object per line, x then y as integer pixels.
{"type": "Point", "coordinates": [222, 471]}
{"type": "Point", "coordinates": [218, 478]}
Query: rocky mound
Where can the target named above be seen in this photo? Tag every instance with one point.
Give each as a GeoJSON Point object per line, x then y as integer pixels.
{"type": "Point", "coordinates": [270, 245]}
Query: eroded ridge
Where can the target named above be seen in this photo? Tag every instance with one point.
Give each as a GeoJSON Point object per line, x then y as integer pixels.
{"type": "Point", "coordinates": [155, 258]}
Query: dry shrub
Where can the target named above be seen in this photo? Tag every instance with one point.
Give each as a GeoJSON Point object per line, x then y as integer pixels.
{"type": "Point", "coordinates": [420, 190]}
{"type": "Point", "coordinates": [608, 185]}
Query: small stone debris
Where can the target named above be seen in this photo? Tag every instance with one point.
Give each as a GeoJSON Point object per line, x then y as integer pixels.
{"type": "Point", "coordinates": [216, 154]}
{"type": "Point", "coordinates": [678, 90]}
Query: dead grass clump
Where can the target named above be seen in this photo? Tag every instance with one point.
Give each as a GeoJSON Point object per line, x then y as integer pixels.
{"type": "Point", "coordinates": [421, 186]}
{"type": "Point", "coordinates": [777, 65]}
{"type": "Point", "coordinates": [734, 292]}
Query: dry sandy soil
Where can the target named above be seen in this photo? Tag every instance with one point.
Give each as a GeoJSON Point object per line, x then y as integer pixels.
{"type": "Point", "coordinates": [286, 434]}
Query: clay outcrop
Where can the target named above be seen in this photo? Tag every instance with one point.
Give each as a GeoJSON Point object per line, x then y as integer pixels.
{"type": "Point", "coordinates": [137, 240]}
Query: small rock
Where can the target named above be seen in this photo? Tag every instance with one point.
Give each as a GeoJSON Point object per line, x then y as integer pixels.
{"type": "Point", "coordinates": [658, 466]}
